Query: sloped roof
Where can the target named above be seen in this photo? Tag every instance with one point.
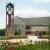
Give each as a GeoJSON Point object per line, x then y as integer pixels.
{"type": "Point", "coordinates": [17, 20]}
{"type": "Point", "coordinates": [37, 21]}
{"type": "Point", "coordinates": [10, 4]}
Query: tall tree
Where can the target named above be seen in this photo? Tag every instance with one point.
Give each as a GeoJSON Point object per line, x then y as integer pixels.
{"type": "Point", "coordinates": [2, 32]}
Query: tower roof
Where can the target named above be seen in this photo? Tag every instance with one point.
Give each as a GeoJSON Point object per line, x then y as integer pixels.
{"type": "Point", "coordinates": [10, 4]}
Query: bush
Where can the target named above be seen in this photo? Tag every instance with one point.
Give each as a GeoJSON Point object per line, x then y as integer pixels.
{"type": "Point", "coordinates": [11, 37]}
{"type": "Point", "coordinates": [46, 36]}
{"type": "Point", "coordinates": [21, 36]}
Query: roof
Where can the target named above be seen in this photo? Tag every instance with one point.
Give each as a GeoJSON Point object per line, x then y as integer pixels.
{"type": "Point", "coordinates": [37, 21]}
{"type": "Point", "coordinates": [10, 4]}
{"type": "Point", "coordinates": [18, 20]}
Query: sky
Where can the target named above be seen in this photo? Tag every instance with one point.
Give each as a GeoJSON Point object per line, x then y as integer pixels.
{"type": "Point", "coordinates": [25, 9]}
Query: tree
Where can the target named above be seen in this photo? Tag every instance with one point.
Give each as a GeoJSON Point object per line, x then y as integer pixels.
{"type": "Point", "coordinates": [2, 32]}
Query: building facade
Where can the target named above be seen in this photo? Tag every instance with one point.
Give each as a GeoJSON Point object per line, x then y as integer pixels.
{"type": "Point", "coordinates": [39, 28]}
{"type": "Point", "coordinates": [19, 26]}
{"type": "Point", "coordinates": [35, 24]}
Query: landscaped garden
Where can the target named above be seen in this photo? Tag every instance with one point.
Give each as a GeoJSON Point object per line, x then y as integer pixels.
{"type": "Point", "coordinates": [46, 36]}
{"type": "Point", "coordinates": [7, 45]}
{"type": "Point", "coordinates": [13, 37]}
{"type": "Point", "coordinates": [20, 46]}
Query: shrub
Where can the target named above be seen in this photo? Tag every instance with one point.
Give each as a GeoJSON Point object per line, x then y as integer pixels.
{"type": "Point", "coordinates": [46, 36]}
{"type": "Point", "coordinates": [21, 36]}
{"type": "Point", "coordinates": [10, 37]}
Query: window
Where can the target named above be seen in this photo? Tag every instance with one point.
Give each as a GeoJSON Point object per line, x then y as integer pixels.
{"type": "Point", "coordinates": [15, 30]}
{"type": "Point", "coordinates": [16, 25]}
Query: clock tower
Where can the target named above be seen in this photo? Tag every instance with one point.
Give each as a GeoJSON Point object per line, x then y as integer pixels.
{"type": "Point", "coordinates": [9, 19]}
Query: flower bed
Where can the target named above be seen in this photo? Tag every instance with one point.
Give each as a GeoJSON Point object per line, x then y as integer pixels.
{"type": "Point", "coordinates": [20, 46]}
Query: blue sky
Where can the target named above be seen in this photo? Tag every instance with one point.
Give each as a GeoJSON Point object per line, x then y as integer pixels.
{"type": "Point", "coordinates": [25, 8]}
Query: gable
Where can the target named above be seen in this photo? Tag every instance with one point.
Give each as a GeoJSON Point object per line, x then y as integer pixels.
{"type": "Point", "coordinates": [18, 21]}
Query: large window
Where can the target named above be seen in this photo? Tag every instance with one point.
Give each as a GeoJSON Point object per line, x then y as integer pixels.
{"type": "Point", "coordinates": [15, 30]}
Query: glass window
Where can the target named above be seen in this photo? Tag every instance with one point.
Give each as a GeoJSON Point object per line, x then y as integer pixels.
{"type": "Point", "coordinates": [15, 30]}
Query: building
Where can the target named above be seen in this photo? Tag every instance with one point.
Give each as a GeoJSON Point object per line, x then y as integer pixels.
{"type": "Point", "coordinates": [36, 24]}
{"type": "Point", "coordinates": [19, 26]}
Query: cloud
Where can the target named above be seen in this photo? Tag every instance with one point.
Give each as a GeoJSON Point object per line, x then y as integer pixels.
{"type": "Point", "coordinates": [41, 0]}
{"type": "Point", "coordinates": [30, 12]}
{"type": "Point", "coordinates": [2, 22]}
{"type": "Point", "coordinates": [25, 12]}
{"type": "Point", "coordinates": [2, 26]}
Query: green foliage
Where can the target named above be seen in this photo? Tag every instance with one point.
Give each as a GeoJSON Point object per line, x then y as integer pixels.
{"type": "Point", "coordinates": [13, 37]}
{"type": "Point", "coordinates": [37, 46]}
{"type": "Point", "coordinates": [2, 32]}
{"type": "Point", "coordinates": [45, 36]}
{"type": "Point", "coordinates": [49, 26]}
{"type": "Point", "coordinates": [17, 37]}
{"type": "Point", "coordinates": [21, 36]}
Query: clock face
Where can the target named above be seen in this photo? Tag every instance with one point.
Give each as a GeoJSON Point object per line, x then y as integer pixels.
{"type": "Point", "coordinates": [10, 10]}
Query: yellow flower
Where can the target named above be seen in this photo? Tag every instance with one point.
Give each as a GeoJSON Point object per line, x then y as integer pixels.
{"type": "Point", "coordinates": [25, 44]}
